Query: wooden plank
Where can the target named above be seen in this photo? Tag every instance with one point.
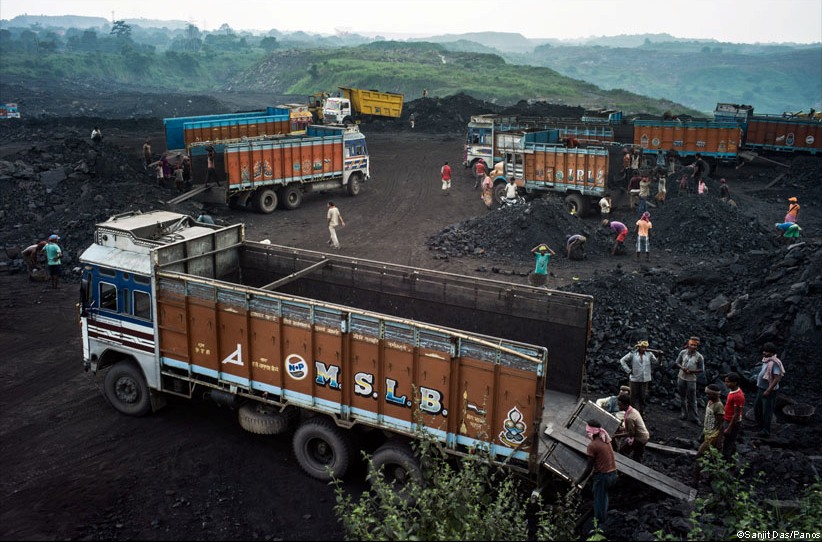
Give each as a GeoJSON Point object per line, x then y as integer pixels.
{"type": "Point", "coordinates": [295, 275]}
{"type": "Point", "coordinates": [627, 466]}
{"type": "Point", "coordinates": [672, 449]}
{"type": "Point", "coordinates": [190, 194]}
{"type": "Point", "coordinates": [776, 180]}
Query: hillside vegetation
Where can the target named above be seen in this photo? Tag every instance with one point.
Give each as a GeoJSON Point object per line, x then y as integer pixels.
{"type": "Point", "coordinates": [387, 66]}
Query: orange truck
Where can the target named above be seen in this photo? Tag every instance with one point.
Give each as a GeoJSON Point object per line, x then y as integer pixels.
{"type": "Point", "coordinates": [580, 174]}
{"type": "Point", "coordinates": [268, 172]}
{"type": "Point", "coordinates": [336, 348]}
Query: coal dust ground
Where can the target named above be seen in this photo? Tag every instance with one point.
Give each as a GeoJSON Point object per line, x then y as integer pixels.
{"type": "Point", "coordinates": [74, 469]}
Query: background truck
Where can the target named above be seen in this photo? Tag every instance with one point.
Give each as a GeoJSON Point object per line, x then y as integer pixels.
{"type": "Point", "coordinates": [580, 174]}
{"type": "Point", "coordinates": [336, 347]}
{"type": "Point", "coordinates": [357, 104]}
{"type": "Point", "coordinates": [485, 131]}
{"type": "Point", "coordinates": [267, 172]}
{"type": "Point", "coordinates": [182, 132]}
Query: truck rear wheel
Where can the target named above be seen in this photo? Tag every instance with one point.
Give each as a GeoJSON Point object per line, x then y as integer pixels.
{"type": "Point", "coordinates": [353, 185]}
{"type": "Point", "coordinates": [263, 419]}
{"type": "Point", "coordinates": [323, 450]}
{"type": "Point", "coordinates": [291, 197]}
{"type": "Point", "coordinates": [576, 204]}
{"type": "Point", "coordinates": [399, 466]}
{"type": "Point", "coordinates": [348, 121]}
{"type": "Point", "coordinates": [499, 192]}
{"type": "Point", "coordinates": [126, 389]}
{"type": "Point", "coordinates": [264, 200]}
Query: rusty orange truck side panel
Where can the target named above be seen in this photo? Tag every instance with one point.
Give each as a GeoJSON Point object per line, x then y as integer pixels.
{"type": "Point", "coordinates": [570, 167]}
{"type": "Point", "coordinates": [290, 159]}
{"type": "Point", "coordinates": [716, 139]}
{"type": "Point", "coordinates": [235, 129]}
{"type": "Point", "coordinates": [780, 134]}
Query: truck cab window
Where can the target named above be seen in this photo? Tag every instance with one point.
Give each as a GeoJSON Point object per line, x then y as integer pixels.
{"type": "Point", "coordinates": [142, 305]}
{"type": "Point", "coordinates": [108, 296]}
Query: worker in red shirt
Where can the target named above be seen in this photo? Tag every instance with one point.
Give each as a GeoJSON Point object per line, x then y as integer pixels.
{"type": "Point", "coordinates": [480, 171]}
{"type": "Point", "coordinates": [732, 420]}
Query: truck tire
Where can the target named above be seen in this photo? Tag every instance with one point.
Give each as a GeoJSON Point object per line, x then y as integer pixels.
{"type": "Point", "coordinates": [264, 200]}
{"type": "Point", "coordinates": [353, 186]}
{"type": "Point", "coordinates": [263, 419]}
{"type": "Point", "coordinates": [576, 204]}
{"type": "Point", "coordinates": [291, 197]}
{"type": "Point", "coordinates": [348, 121]}
{"type": "Point", "coordinates": [323, 450]}
{"type": "Point", "coordinates": [126, 389]}
{"type": "Point", "coordinates": [399, 466]}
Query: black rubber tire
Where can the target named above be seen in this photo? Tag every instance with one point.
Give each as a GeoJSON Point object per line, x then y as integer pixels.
{"type": "Point", "coordinates": [398, 464]}
{"type": "Point", "coordinates": [353, 186]}
{"type": "Point", "coordinates": [291, 197]}
{"type": "Point", "coordinates": [126, 389]}
{"type": "Point", "coordinates": [348, 121]}
{"type": "Point", "coordinates": [264, 200]}
{"type": "Point", "coordinates": [575, 204]}
{"type": "Point", "coordinates": [262, 419]}
{"type": "Point", "coordinates": [323, 450]}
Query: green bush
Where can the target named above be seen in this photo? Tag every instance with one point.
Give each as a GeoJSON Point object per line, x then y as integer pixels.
{"type": "Point", "coordinates": [467, 499]}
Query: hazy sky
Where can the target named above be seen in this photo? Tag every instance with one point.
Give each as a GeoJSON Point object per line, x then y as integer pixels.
{"type": "Point", "coordinates": [739, 21]}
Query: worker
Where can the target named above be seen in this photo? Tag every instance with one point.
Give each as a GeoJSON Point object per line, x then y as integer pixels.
{"type": "Point", "coordinates": [621, 231]}
{"type": "Point", "coordinates": [793, 210]}
{"type": "Point", "coordinates": [575, 247]}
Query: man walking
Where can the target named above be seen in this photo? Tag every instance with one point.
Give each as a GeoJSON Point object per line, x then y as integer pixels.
{"type": "Point", "coordinates": [690, 364]}
{"type": "Point", "coordinates": [767, 388]}
{"type": "Point", "coordinates": [335, 220]}
{"type": "Point", "coordinates": [732, 419]}
{"type": "Point", "coordinates": [602, 463]}
{"type": "Point", "coordinates": [445, 175]}
{"type": "Point", "coordinates": [639, 373]}
{"type": "Point", "coordinates": [54, 259]}
{"type": "Point", "coordinates": [643, 231]}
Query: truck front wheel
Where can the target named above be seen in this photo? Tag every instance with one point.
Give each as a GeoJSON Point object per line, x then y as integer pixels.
{"type": "Point", "coordinates": [323, 450]}
{"type": "Point", "coordinates": [264, 200]}
{"type": "Point", "coordinates": [353, 185]}
{"type": "Point", "coordinates": [291, 197]}
{"type": "Point", "coordinates": [126, 389]}
{"type": "Point", "coordinates": [499, 192]}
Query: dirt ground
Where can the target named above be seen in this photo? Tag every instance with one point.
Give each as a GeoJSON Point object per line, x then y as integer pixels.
{"type": "Point", "coordinates": [75, 469]}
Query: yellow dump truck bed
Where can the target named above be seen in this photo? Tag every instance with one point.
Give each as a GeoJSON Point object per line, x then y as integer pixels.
{"type": "Point", "coordinates": [372, 102]}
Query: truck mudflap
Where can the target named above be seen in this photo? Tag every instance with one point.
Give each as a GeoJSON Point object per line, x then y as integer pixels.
{"type": "Point", "coordinates": [566, 446]}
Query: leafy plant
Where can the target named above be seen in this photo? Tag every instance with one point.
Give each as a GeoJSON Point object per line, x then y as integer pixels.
{"type": "Point", "coordinates": [468, 499]}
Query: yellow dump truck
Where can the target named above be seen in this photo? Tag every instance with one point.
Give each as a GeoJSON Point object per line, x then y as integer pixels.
{"type": "Point", "coordinates": [355, 105]}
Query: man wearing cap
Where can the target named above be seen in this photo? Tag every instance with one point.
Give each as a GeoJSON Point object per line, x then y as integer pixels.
{"type": "Point", "coordinates": [53, 257]}
{"type": "Point", "coordinates": [767, 387]}
{"type": "Point", "coordinates": [793, 210]}
{"type": "Point", "coordinates": [543, 255]}
{"type": "Point", "coordinates": [711, 427]}
{"type": "Point", "coordinates": [690, 364]}
{"type": "Point", "coordinates": [602, 463]}
{"type": "Point", "coordinates": [639, 373]}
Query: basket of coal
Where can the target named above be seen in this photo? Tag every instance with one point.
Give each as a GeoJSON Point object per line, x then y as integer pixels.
{"type": "Point", "coordinates": [799, 412]}
{"type": "Point", "coordinates": [537, 280]}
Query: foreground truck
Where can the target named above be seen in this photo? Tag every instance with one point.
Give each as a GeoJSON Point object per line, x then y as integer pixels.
{"type": "Point", "coordinates": [579, 174]}
{"type": "Point", "coordinates": [356, 105]}
{"type": "Point", "coordinates": [335, 347]}
{"type": "Point", "coordinates": [267, 172]}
